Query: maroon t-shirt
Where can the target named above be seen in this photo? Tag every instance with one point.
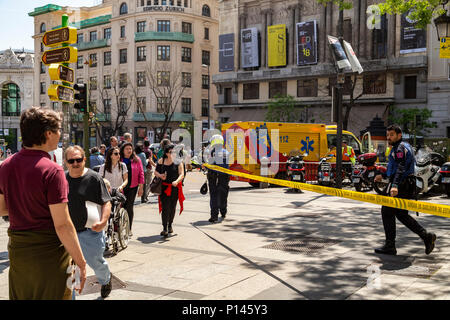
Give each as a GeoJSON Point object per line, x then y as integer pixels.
{"type": "Point", "coordinates": [30, 181]}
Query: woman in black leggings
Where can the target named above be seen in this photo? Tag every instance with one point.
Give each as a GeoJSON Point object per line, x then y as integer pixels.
{"type": "Point", "coordinates": [172, 175]}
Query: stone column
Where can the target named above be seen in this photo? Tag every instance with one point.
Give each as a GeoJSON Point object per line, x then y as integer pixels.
{"type": "Point", "coordinates": [322, 35]}
{"type": "Point", "coordinates": [329, 30]}
{"type": "Point", "coordinates": [355, 24]}
{"type": "Point", "coordinates": [362, 28]}
{"type": "Point", "coordinates": [264, 39]}
{"type": "Point", "coordinates": [392, 24]}
{"type": "Point", "coordinates": [292, 35]}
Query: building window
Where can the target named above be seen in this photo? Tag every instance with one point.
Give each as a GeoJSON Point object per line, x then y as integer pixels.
{"type": "Point", "coordinates": [163, 53]}
{"type": "Point", "coordinates": [163, 26]}
{"type": "Point", "coordinates": [374, 83]}
{"type": "Point", "coordinates": [410, 87]}
{"type": "Point", "coordinates": [123, 8]}
{"type": "Point", "coordinates": [107, 33]}
{"type": "Point", "coordinates": [379, 40]}
{"type": "Point", "coordinates": [206, 34]}
{"type": "Point", "coordinates": [80, 62]}
{"type": "Point", "coordinates": [80, 38]}
{"type": "Point", "coordinates": [93, 83]}
{"type": "Point", "coordinates": [107, 58]}
{"type": "Point", "coordinates": [277, 88]}
{"type": "Point", "coordinates": [155, 2]}
{"type": "Point", "coordinates": [186, 105]}
{"type": "Point", "coordinates": [205, 107]}
{"type": "Point", "coordinates": [141, 26]}
{"type": "Point", "coordinates": [141, 106]}
{"type": "Point", "coordinates": [11, 99]}
{"type": "Point", "coordinates": [141, 79]}
{"type": "Point", "coordinates": [107, 81]}
{"type": "Point", "coordinates": [162, 104]}
{"type": "Point", "coordinates": [123, 55]}
{"type": "Point", "coordinates": [186, 54]}
{"type": "Point", "coordinates": [251, 91]}
{"type": "Point", "coordinates": [186, 79]}
{"type": "Point", "coordinates": [348, 32]}
{"type": "Point", "coordinates": [92, 36]}
{"type": "Point", "coordinates": [307, 88]}
{"type": "Point", "coordinates": [163, 78]}
{"type": "Point", "coordinates": [186, 27]}
{"type": "Point", "coordinates": [42, 88]}
{"type": "Point", "coordinates": [122, 31]}
{"type": "Point", "coordinates": [206, 11]}
{"type": "Point", "coordinates": [164, 2]}
{"type": "Point", "coordinates": [107, 106]}
{"type": "Point", "coordinates": [205, 81]}
{"type": "Point", "coordinates": [42, 67]}
{"type": "Point", "coordinates": [43, 28]}
{"type": "Point", "coordinates": [93, 60]}
{"type": "Point", "coordinates": [141, 53]}
{"type": "Point", "coordinates": [205, 57]}
{"type": "Point", "coordinates": [123, 106]}
{"type": "Point", "coordinates": [123, 82]}
{"type": "Point", "coordinates": [186, 5]}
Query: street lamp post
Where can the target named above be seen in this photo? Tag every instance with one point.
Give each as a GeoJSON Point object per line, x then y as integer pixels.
{"type": "Point", "coordinates": [209, 88]}
{"type": "Point", "coordinates": [442, 24]}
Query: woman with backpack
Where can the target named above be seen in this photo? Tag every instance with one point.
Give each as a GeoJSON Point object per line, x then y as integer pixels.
{"type": "Point", "coordinates": [114, 170]}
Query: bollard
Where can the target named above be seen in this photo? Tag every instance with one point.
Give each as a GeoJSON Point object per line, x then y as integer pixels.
{"type": "Point", "coordinates": [264, 172]}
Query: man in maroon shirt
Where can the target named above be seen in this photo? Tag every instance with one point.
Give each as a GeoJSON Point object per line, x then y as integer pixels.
{"type": "Point", "coordinates": [33, 193]}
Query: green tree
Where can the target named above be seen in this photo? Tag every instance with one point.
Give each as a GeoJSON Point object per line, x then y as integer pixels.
{"type": "Point", "coordinates": [284, 109]}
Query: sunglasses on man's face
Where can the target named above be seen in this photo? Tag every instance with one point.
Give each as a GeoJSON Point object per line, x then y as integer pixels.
{"type": "Point", "coordinates": [72, 161]}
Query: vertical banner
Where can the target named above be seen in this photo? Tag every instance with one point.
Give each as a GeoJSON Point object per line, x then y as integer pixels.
{"type": "Point", "coordinates": [306, 42]}
{"type": "Point", "coordinates": [276, 43]}
{"type": "Point", "coordinates": [249, 48]}
{"type": "Point", "coordinates": [412, 39]}
{"type": "Point", "coordinates": [226, 52]}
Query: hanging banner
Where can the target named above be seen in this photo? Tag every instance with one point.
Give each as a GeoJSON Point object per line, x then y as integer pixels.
{"type": "Point", "coordinates": [338, 53]}
{"type": "Point", "coordinates": [249, 48]}
{"type": "Point", "coordinates": [354, 62]}
{"type": "Point", "coordinates": [276, 44]}
{"type": "Point", "coordinates": [306, 42]}
{"type": "Point", "coordinates": [226, 52]}
{"type": "Point", "coordinates": [412, 39]}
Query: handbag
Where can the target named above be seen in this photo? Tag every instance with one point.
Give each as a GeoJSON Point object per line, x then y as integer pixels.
{"type": "Point", "coordinates": [156, 186]}
{"type": "Point", "coordinates": [204, 188]}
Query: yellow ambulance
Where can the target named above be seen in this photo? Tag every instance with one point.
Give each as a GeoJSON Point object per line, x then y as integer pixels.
{"type": "Point", "coordinates": [249, 142]}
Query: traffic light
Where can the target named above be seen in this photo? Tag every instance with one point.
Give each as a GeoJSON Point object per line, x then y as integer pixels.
{"type": "Point", "coordinates": [81, 96]}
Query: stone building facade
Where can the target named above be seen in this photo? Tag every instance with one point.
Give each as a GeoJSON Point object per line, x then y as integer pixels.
{"type": "Point", "coordinates": [121, 44]}
{"type": "Point", "coordinates": [16, 83]}
{"type": "Point", "coordinates": [395, 68]}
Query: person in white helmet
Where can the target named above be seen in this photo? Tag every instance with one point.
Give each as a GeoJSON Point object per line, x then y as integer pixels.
{"type": "Point", "coordinates": [218, 182]}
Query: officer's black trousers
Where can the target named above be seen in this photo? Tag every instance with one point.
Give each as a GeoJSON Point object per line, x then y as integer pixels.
{"type": "Point", "coordinates": [218, 190]}
{"type": "Point", "coordinates": [389, 214]}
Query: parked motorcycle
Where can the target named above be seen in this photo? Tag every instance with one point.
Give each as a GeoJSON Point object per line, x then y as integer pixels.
{"type": "Point", "coordinates": [296, 169]}
{"type": "Point", "coordinates": [326, 172]}
{"type": "Point", "coordinates": [445, 177]}
{"type": "Point", "coordinates": [428, 166]}
{"type": "Point", "coordinates": [363, 175]}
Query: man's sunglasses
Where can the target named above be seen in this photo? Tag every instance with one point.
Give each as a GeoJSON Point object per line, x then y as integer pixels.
{"type": "Point", "coordinates": [72, 161]}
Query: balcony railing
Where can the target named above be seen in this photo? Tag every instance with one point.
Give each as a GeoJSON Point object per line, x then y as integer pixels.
{"type": "Point", "coordinates": [163, 36]}
{"type": "Point", "coordinates": [102, 117]}
{"type": "Point", "coordinates": [154, 116]}
{"type": "Point", "coordinates": [93, 44]}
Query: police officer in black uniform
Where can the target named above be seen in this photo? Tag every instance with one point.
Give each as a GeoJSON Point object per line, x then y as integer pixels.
{"type": "Point", "coordinates": [402, 185]}
{"type": "Point", "coordinates": [218, 182]}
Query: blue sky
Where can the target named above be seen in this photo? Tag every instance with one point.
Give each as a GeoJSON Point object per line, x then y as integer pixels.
{"type": "Point", "coordinates": [17, 27]}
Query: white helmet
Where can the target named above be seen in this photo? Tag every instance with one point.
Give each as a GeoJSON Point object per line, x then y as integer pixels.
{"type": "Point", "coordinates": [216, 139]}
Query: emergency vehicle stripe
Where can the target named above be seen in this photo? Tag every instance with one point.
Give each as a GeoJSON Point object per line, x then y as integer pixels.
{"type": "Point", "coordinates": [411, 205]}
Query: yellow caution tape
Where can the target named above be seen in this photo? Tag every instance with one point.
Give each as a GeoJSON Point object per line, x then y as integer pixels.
{"type": "Point", "coordinates": [411, 205]}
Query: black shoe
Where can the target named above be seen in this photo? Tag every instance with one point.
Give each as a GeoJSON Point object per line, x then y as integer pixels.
{"type": "Point", "coordinates": [213, 220]}
{"type": "Point", "coordinates": [429, 241]}
{"type": "Point", "coordinates": [106, 288]}
{"type": "Point", "coordinates": [170, 229]}
{"type": "Point", "coordinates": [388, 248]}
{"type": "Point", "coordinates": [224, 215]}
{"type": "Point", "coordinates": [164, 233]}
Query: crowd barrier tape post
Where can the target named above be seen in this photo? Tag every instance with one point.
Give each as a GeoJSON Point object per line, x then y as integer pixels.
{"type": "Point", "coordinates": [411, 205]}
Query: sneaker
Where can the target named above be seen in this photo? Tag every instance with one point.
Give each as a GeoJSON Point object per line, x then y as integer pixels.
{"type": "Point", "coordinates": [213, 220]}
{"type": "Point", "coordinates": [430, 239]}
{"type": "Point", "coordinates": [388, 248]}
{"type": "Point", "coordinates": [106, 288]}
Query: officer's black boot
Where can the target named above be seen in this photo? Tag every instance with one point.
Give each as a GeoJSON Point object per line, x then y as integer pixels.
{"type": "Point", "coordinates": [429, 239]}
{"type": "Point", "coordinates": [388, 248]}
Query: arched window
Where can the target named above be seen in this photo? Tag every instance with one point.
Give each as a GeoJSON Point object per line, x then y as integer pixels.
{"type": "Point", "coordinates": [43, 28]}
{"type": "Point", "coordinates": [123, 8]}
{"type": "Point", "coordinates": [206, 11]}
{"type": "Point", "coordinates": [10, 100]}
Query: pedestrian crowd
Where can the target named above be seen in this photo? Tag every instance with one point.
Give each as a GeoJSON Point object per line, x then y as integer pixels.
{"type": "Point", "coordinates": [58, 218]}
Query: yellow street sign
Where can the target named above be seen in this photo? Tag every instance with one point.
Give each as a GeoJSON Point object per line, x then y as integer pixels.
{"type": "Point", "coordinates": [57, 92]}
{"type": "Point", "coordinates": [54, 38]}
{"type": "Point", "coordinates": [58, 72]}
{"type": "Point", "coordinates": [60, 55]}
{"type": "Point", "coordinates": [444, 51]}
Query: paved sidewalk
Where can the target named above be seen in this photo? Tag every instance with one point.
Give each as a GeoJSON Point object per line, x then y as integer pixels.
{"type": "Point", "coordinates": [272, 245]}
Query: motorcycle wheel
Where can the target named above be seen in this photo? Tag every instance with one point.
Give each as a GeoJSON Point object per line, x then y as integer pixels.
{"type": "Point", "coordinates": [381, 188]}
{"type": "Point", "coordinates": [358, 187]}
{"type": "Point", "coordinates": [447, 190]}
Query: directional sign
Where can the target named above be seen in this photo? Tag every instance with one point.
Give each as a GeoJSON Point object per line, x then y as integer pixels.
{"type": "Point", "coordinates": [58, 72]}
{"type": "Point", "coordinates": [56, 37]}
{"type": "Point", "coordinates": [57, 92]}
{"type": "Point", "coordinates": [444, 48]}
{"type": "Point", "coordinates": [66, 54]}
